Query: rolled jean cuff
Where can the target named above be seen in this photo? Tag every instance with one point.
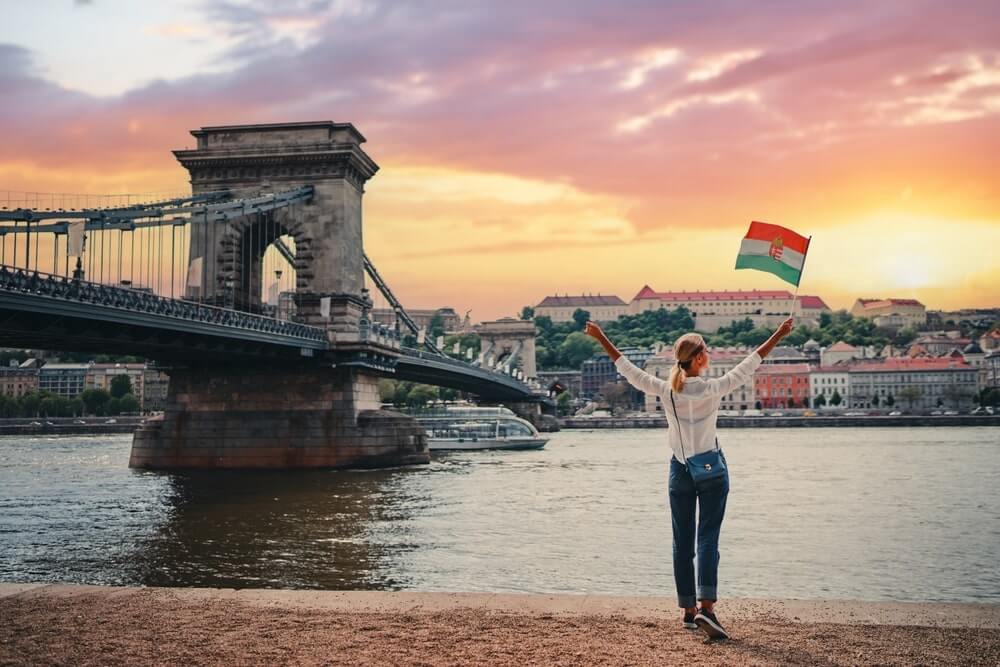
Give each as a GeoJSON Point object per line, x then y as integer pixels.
{"type": "Point", "coordinates": [708, 593]}
{"type": "Point", "coordinates": [686, 601]}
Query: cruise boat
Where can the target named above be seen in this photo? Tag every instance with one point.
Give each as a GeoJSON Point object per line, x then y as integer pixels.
{"type": "Point", "coordinates": [472, 428]}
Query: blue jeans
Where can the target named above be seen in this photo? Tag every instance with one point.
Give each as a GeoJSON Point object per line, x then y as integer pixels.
{"type": "Point", "coordinates": [710, 499]}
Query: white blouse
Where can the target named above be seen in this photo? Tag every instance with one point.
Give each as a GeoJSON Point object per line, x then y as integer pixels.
{"type": "Point", "coordinates": [697, 404]}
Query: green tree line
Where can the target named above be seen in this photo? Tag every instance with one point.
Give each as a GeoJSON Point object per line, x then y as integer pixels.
{"type": "Point", "coordinates": [96, 402]}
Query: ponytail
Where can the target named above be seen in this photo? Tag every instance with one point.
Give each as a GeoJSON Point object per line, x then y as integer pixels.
{"type": "Point", "coordinates": [686, 349]}
{"type": "Point", "coordinates": [677, 377]}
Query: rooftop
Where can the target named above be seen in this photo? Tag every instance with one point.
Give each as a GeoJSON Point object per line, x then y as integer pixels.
{"type": "Point", "coordinates": [879, 303]}
{"type": "Point", "coordinates": [783, 369]}
{"type": "Point", "coordinates": [567, 301]}
{"type": "Point", "coordinates": [648, 292]}
{"type": "Point", "coordinates": [911, 364]}
{"type": "Point", "coordinates": [813, 303]}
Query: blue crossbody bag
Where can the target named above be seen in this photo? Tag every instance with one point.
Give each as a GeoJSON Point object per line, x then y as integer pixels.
{"type": "Point", "coordinates": [703, 467]}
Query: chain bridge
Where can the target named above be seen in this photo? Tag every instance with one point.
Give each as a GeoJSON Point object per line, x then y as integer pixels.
{"type": "Point", "coordinates": [256, 296]}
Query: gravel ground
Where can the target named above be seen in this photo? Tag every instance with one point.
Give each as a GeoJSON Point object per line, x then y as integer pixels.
{"type": "Point", "coordinates": [92, 626]}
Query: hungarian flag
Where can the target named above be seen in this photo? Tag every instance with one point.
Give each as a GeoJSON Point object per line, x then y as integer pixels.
{"type": "Point", "coordinates": [773, 249]}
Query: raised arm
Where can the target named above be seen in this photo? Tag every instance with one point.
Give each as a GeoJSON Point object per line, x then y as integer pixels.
{"type": "Point", "coordinates": [744, 370]}
{"type": "Point", "coordinates": [770, 343]}
{"type": "Point", "coordinates": [636, 377]}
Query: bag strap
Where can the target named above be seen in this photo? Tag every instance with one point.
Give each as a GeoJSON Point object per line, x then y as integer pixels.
{"type": "Point", "coordinates": [679, 429]}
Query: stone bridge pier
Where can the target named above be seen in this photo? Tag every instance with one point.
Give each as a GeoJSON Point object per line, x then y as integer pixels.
{"type": "Point", "coordinates": [321, 412]}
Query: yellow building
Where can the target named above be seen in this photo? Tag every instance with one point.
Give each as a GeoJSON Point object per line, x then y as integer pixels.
{"type": "Point", "coordinates": [892, 313]}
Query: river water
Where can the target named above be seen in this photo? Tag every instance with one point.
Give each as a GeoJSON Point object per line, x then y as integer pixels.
{"type": "Point", "coordinates": [871, 513]}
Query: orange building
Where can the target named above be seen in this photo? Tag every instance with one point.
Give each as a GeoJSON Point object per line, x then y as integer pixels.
{"type": "Point", "coordinates": [782, 385]}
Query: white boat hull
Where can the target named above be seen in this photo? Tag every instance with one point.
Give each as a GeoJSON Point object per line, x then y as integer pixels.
{"type": "Point", "coordinates": [445, 445]}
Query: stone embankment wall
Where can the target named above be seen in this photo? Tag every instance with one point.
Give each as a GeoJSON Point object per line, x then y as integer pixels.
{"type": "Point", "coordinates": [800, 422]}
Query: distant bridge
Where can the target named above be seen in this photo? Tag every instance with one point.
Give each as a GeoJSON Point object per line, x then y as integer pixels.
{"type": "Point", "coordinates": [188, 282]}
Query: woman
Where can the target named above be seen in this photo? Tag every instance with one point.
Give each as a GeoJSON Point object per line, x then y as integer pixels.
{"type": "Point", "coordinates": [691, 404]}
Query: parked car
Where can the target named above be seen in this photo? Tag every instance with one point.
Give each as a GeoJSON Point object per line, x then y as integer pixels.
{"type": "Point", "coordinates": [775, 414]}
{"type": "Point", "coordinates": [951, 413]}
{"type": "Point", "coordinates": [111, 421]}
{"type": "Point", "coordinates": [936, 413]}
{"type": "Point", "coordinates": [35, 424]}
{"type": "Point", "coordinates": [854, 414]}
{"type": "Point", "coordinates": [79, 421]}
{"type": "Point", "coordinates": [895, 413]}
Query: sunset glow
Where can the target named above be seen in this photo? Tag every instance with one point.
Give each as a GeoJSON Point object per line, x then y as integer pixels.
{"type": "Point", "coordinates": [527, 151]}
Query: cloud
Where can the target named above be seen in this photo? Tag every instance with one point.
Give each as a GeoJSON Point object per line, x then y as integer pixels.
{"type": "Point", "coordinates": [671, 117]}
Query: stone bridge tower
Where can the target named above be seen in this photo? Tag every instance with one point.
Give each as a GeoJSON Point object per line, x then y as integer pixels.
{"type": "Point", "coordinates": [510, 341]}
{"type": "Point", "coordinates": [316, 412]}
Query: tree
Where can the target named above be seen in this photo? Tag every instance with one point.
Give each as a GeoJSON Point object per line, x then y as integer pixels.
{"type": "Point", "coordinates": [819, 401]}
{"type": "Point", "coordinates": [956, 395]}
{"type": "Point", "coordinates": [95, 401]}
{"type": "Point", "coordinates": [835, 400]}
{"type": "Point", "coordinates": [563, 403]}
{"type": "Point", "coordinates": [113, 406]}
{"type": "Point", "coordinates": [435, 327]}
{"type": "Point", "coordinates": [580, 317]}
{"type": "Point", "coordinates": [527, 313]}
{"type": "Point", "coordinates": [825, 320]}
{"type": "Point", "coordinates": [910, 394]}
{"type": "Point", "coordinates": [28, 404]}
{"type": "Point", "coordinates": [129, 403]}
{"type": "Point", "coordinates": [890, 401]}
{"type": "Point", "coordinates": [120, 385]}
{"type": "Point", "coordinates": [874, 401]}
{"type": "Point", "coordinates": [447, 394]}
{"type": "Point", "coordinates": [577, 348]}
{"type": "Point", "coordinates": [8, 406]}
{"type": "Point", "coordinates": [402, 393]}
{"type": "Point", "coordinates": [421, 395]}
{"type": "Point", "coordinates": [386, 390]}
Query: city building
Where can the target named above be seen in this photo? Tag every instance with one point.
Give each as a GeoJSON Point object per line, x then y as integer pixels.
{"type": "Point", "coordinates": [992, 362]}
{"type": "Point", "coordinates": [990, 340]}
{"type": "Point", "coordinates": [810, 308]}
{"type": "Point", "coordinates": [782, 386]}
{"type": "Point", "coordinates": [99, 376]}
{"type": "Point", "coordinates": [892, 313]}
{"type": "Point", "coordinates": [18, 380]}
{"type": "Point", "coordinates": [938, 344]}
{"type": "Point", "coordinates": [839, 351]}
{"type": "Point", "coordinates": [975, 357]}
{"type": "Point", "coordinates": [602, 307]}
{"type": "Point", "coordinates": [451, 321]}
{"type": "Point", "coordinates": [67, 380]}
{"type": "Point", "coordinates": [715, 309]}
{"type": "Point", "coordinates": [599, 371]}
{"type": "Point", "coordinates": [783, 354]}
{"type": "Point", "coordinates": [826, 381]}
{"type": "Point", "coordinates": [595, 373]}
{"type": "Point", "coordinates": [922, 383]}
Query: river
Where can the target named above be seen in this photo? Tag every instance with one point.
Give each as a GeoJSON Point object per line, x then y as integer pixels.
{"type": "Point", "coordinates": [871, 514]}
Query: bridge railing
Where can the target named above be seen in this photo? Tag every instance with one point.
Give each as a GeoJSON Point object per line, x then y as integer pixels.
{"type": "Point", "coordinates": [494, 375]}
{"type": "Point", "coordinates": [135, 300]}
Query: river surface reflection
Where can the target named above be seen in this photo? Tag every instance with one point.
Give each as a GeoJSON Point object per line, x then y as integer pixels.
{"type": "Point", "coordinates": [897, 514]}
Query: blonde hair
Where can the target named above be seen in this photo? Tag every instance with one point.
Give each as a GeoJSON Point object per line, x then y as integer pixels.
{"type": "Point", "coordinates": [686, 348]}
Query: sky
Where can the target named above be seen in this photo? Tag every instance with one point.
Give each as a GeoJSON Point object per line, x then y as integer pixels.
{"type": "Point", "coordinates": [564, 147]}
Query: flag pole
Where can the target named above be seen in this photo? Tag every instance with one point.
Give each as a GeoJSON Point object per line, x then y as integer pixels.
{"type": "Point", "coordinates": [795, 296]}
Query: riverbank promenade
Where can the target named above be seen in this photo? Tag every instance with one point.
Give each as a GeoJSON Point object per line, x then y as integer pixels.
{"type": "Point", "coordinates": [91, 625]}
